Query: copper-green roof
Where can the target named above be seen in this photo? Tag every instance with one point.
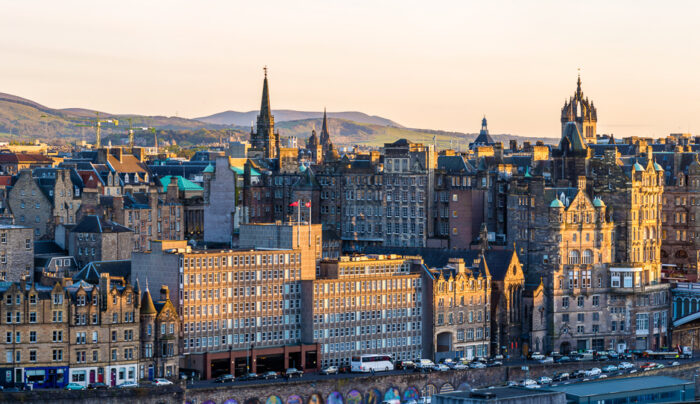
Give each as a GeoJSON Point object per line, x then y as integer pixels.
{"type": "Point", "coordinates": [182, 183]}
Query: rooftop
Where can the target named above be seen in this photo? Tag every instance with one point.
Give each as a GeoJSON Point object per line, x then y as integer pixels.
{"type": "Point", "coordinates": [596, 388]}
{"type": "Point", "coordinates": [500, 392]}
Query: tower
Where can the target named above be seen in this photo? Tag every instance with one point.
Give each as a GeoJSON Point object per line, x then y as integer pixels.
{"type": "Point", "coordinates": [580, 110]}
{"type": "Point", "coordinates": [325, 137]}
{"type": "Point", "coordinates": [264, 141]}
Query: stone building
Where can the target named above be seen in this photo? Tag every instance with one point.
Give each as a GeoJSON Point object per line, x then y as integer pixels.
{"type": "Point", "coordinates": [460, 297]}
{"type": "Point", "coordinates": [97, 239]}
{"type": "Point", "coordinates": [582, 112]}
{"type": "Point", "coordinates": [220, 203]}
{"type": "Point", "coordinates": [363, 305]}
{"type": "Point", "coordinates": [77, 333]}
{"type": "Point", "coordinates": [408, 184]}
{"type": "Point", "coordinates": [45, 198]}
{"type": "Point", "coordinates": [13, 163]}
{"type": "Point", "coordinates": [160, 336]}
{"type": "Point", "coordinates": [16, 253]}
{"type": "Point", "coordinates": [361, 203]}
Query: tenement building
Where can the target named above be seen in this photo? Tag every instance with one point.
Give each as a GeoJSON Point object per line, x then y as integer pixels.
{"type": "Point", "coordinates": [460, 297]}
{"type": "Point", "coordinates": [16, 253]}
{"type": "Point", "coordinates": [364, 305]}
{"type": "Point", "coordinates": [241, 309]}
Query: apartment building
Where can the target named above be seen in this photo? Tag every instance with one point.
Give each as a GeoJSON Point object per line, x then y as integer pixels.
{"type": "Point", "coordinates": [364, 304]}
{"type": "Point", "coordinates": [16, 253]}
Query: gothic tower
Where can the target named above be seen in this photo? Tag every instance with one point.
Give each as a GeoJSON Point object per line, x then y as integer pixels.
{"type": "Point", "coordinates": [264, 141]}
{"type": "Point", "coordinates": [581, 111]}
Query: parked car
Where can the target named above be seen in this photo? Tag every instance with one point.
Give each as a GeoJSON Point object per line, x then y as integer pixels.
{"type": "Point", "coordinates": [293, 372]}
{"type": "Point", "coordinates": [625, 365]}
{"type": "Point", "coordinates": [224, 379]}
{"type": "Point", "coordinates": [528, 382]}
{"type": "Point", "coordinates": [329, 370]}
{"type": "Point", "coordinates": [593, 372]}
{"type": "Point", "coordinates": [512, 383]}
{"type": "Point", "coordinates": [424, 365]}
{"type": "Point", "coordinates": [460, 366]}
{"type": "Point", "coordinates": [128, 385]}
{"type": "Point", "coordinates": [477, 365]}
{"type": "Point", "coordinates": [603, 358]}
{"type": "Point", "coordinates": [648, 366]}
{"type": "Point", "coordinates": [674, 364]}
{"type": "Point", "coordinates": [563, 359]}
{"type": "Point", "coordinates": [74, 386]}
{"type": "Point", "coordinates": [536, 356]}
{"type": "Point", "coordinates": [547, 359]}
{"type": "Point", "coordinates": [97, 386]}
{"type": "Point", "coordinates": [544, 380]}
{"type": "Point", "coordinates": [399, 365]}
{"type": "Point", "coordinates": [560, 377]}
{"type": "Point", "coordinates": [610, 368]}
{"type": "Point", "coordinates": [249, 376]}
{"type": "Point", "coordinates": [578, 373]}
{"type": "Point", "coordinates": [494, 363]}
{"type": "Point", "coordinates": [602, 376]}
{"type": "Point", "coordinates": [162, 382]}
{"type": "Point", "coordinates": [269, 375]}
{"type": "Point", "coordinates": [440, 367]}
{"type": "Point", "coordinates": [613, 355]}
{"type": "Point", "coordinates": [498, 357]}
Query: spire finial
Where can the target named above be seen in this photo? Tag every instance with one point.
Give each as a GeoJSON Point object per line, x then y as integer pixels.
{"type": "Point", "coordinates": [265, 70]}
{"type": "Point", "coordinates": [147, 284]}
{"type": "Point", "coordinates": [578, 82]}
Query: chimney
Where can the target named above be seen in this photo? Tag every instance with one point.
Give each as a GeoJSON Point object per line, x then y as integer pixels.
{"type": "Point", "coordinates": [104, 289]}
{"type": "Point", "coordinates": [458, 263]}
{"type": "Point", "coordinates": [164, 293]}
{"type": "Point", "coordinates": [581, 183]}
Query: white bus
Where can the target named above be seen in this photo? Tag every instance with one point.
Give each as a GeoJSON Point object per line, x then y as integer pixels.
{"type": "Point", "coordinates": [367, 363]}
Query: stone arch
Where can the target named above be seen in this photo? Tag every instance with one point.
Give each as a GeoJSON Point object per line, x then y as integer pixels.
{"type": "Point", "coordinates": [335, 398]}
{"type": "Point", "coordinates": [251, 400]}
{"type": "Point", "coordinates": [681, 254]}
{"type": "Point", "coordinates": [274, 400]}
{"type": "Point", "coordinates": [315, 399]}
{"type": "Point", "coordinates": [373, 396]}
{"type": "Point", "coordinates": [565, 347]}
{"type": "Point", "coordinates": [411, 393]}
{"type": "Point", "coordinates": [664, 253]}
{"type": "Point", "coordinates": [392, 393]}
{"type": "Point", "coordinates": [428, 390]}
{"type": "Point", "coordinates": [353, 397]}
{"type": "Point", "coordinates": [464, 386]}
{"type": "Point", "coordinates": [447, 387]}
{"type": "Point", "coordinates": [295, 399]}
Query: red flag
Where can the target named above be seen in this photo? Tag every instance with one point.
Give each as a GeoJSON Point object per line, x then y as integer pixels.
{"type": "Point", "coordinates": [295, 203]}
{"type": "Point", "coordinates": [308, 204]}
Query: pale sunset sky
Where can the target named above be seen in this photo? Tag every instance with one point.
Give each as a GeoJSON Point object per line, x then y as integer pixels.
{"type": "Point", "coordinates": [423, 64]}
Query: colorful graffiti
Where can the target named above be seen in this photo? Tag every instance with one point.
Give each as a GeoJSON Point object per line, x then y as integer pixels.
{"type": "Point", "coordinates": [429, 390]}
{"type": "Point", "coordinates": [315, 399]}
{"type": "Point", "coordinates": [446, 388]}
{"type": "Point", "coordinates": [230, 401]}
{"type": "Point", "coordinates": [392, 394]}
{"type": "Point", "coordinates": [353, 397]}
{"type": "Point", "coordinates": [294, 399]}
{"type": "Point", "coordinates": [248, 401]}
{"type": "Point", "coordinates": [373, 397]}
{"type": "Point", "coordinates": [335, 398]}
{"type": "Point", "coordinates": [411, 393]}
{"type": "Point", "coordinates": [273, 400]}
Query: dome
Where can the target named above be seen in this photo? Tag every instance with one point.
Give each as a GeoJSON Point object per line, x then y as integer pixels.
{"type": "Point", "coordinates": [638, 167]}
{"type": "Point", "coordinates": [598, 203]}
{"type": "Point", "coordinates": [657, 167]}
{"type": "Point", "coordinates": [556, 204]}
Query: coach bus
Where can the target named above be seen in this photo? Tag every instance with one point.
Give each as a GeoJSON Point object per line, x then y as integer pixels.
{"type": "Point", "coordinates": [369, 363]}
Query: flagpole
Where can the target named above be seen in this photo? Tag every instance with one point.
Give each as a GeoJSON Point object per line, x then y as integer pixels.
{"type": "Point", "coordinates": [309, 223]}
{"type": "Point", "coordinates": [298, 223]}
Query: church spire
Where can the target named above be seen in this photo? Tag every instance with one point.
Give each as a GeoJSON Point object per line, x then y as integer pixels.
{"type": "Point", "coordinates": [325, 137]}
{"type": "Point", "coordinates": [265, 140]}
{"type": "Point", "coordinates": [265, 112]}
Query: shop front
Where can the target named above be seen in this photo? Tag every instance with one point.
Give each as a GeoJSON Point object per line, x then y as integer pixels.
{"type": "Point", "coordinates": [47, 377]}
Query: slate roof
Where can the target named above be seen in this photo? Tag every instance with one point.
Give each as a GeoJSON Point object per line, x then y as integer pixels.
{"type": "Point", "coordinates": [497, 260]}
{"type": "Point", "coordinates": [96, 224]}
{"type": "Point", "coordinates": [25, 158]}
{"type": "Point", "coordinates": [91, 272]}
{"type": "Point", "coordinates": [613, 386]}
{"type": "Point", "coordinates": [47, 247]}
{"type": "Point", "coordinates": [453, 164]}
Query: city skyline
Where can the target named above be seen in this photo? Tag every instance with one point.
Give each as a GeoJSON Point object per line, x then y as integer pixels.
{"type": "Point", "coordinates": [422, 67]}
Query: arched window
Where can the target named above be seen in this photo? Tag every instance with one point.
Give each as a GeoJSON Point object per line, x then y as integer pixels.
{"type": "Point", "coordinates": [573, 257]}
{"type": "Point", "coordinates": [587, 257]}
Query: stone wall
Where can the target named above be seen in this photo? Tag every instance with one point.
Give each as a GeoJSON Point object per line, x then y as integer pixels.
{"type": "Point", "coordinates": [365, 389]}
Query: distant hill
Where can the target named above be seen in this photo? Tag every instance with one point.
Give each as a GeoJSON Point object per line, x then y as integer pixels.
{"type": "Point", "coordinates": [23, 119]}
{"type": "Point", "coordinates": [245, 119]}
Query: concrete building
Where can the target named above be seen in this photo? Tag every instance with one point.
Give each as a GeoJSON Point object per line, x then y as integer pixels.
{"type": "Point", "coordinates": [241, 309]}
{"type": "Point", "coordinates": [501, 395]}
{"type": "Point", "coordinates": [16, 253]}
{"type": "Point", "coordinates": [362, 305]}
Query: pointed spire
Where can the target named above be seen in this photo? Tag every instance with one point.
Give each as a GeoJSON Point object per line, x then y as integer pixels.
{"type": "Point", "coordinates": [325, 137]}
{"type": "Point", "coordinates": [578, 83]}
{"type": "Point", "coordinates": [265, 103]}
{"type": "Point", "coordinates": [147, 306]}
{"type": "Point", "coordinates": [484, 238]}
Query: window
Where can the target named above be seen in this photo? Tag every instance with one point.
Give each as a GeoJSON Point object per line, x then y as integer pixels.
{"type": "Point", "coordinates": [643, 322]}
{"type": "Point", "coordinates": [565, 302]}
{"type": "Point", "coordinates": [580, 301]}
{"type": "Point", "coordinates": [596, 301]}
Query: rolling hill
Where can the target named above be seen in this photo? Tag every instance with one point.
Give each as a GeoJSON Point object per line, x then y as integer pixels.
{"type": "Point", "coordinates": [244, 119]}
{"type": "Point", "coordinates": [23, 119]}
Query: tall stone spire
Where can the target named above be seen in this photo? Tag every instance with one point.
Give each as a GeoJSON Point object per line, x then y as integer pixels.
{"type": "Point", "coordinates": [325, 137]}
{"type": "Point", "coordinates": [265, 141]}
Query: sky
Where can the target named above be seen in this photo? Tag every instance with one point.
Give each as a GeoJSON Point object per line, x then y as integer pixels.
{"type": "Point", "coordinates": [424, 64]}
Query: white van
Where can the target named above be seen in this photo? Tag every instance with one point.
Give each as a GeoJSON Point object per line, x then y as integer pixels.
{"type": "Point", "coordinates": [424, 364]}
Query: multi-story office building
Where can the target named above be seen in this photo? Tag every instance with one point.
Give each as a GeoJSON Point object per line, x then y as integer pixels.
{"type": "Point", "coordinates": [364, 304]}
{"type": "Point", "coordinates": [241, 309]}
